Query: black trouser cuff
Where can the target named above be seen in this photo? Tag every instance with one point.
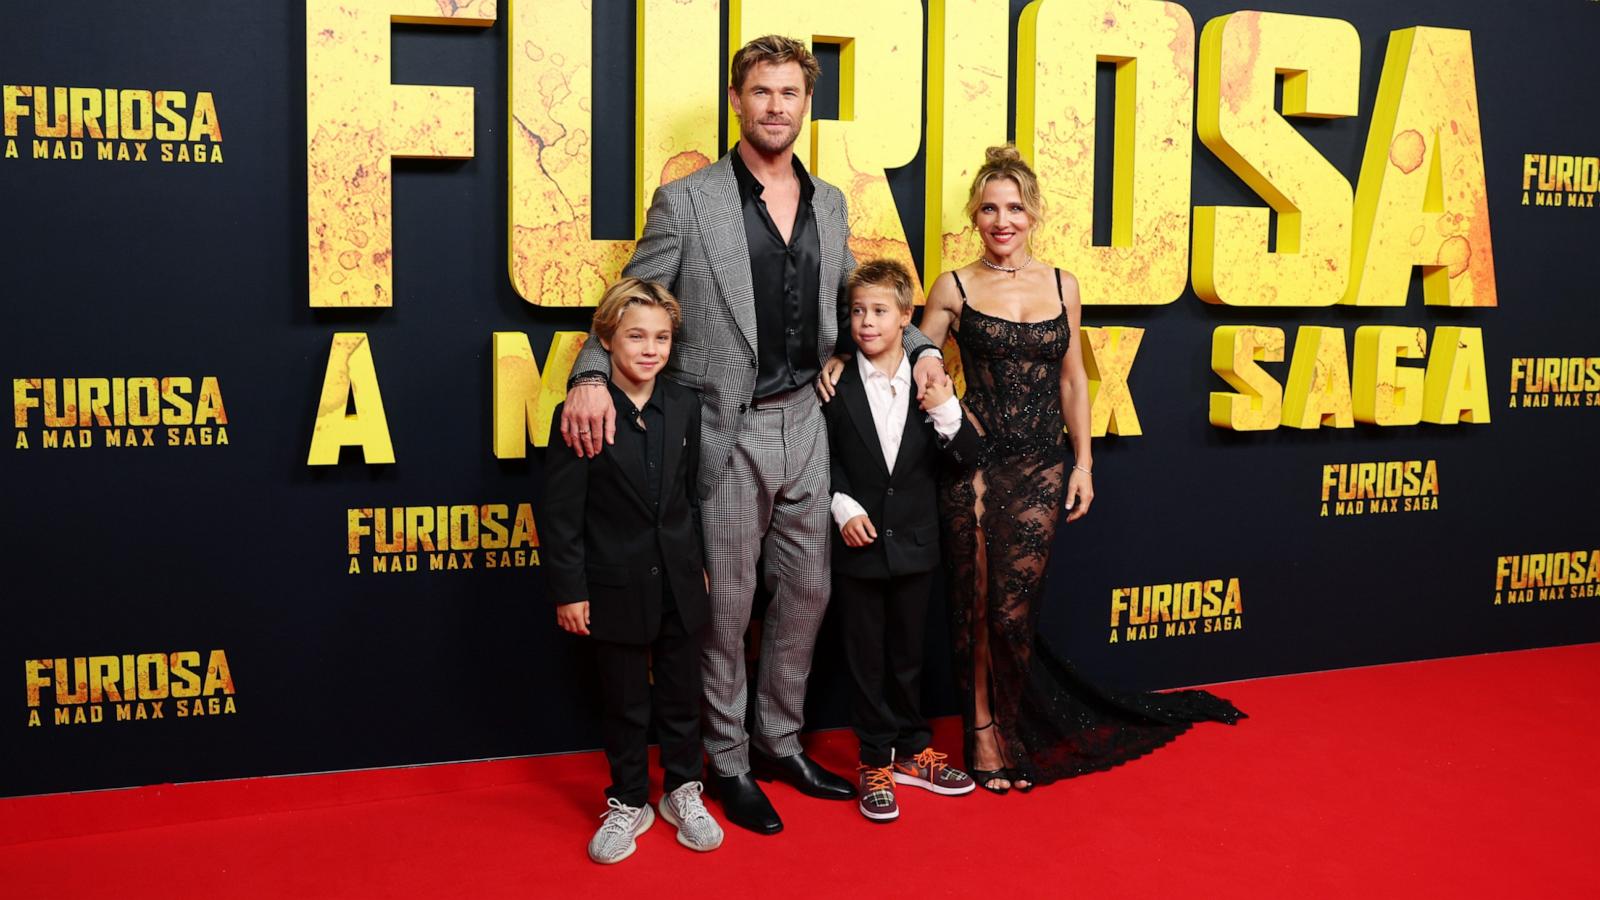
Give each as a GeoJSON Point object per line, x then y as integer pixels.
{"type": "Point", "coordinates": [630, 798]}
{"type": "Point", "coordinates": [876, 759]}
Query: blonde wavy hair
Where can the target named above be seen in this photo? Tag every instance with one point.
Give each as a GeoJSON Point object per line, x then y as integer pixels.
{"type": "Point", "coordinates": [1005, 161]}
{"type": "Point", "coordinates": [628, 293]}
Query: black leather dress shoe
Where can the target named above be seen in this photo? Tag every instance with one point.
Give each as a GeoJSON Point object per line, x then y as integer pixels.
{"type": "Point", "coordinates": [744, 804]}
{"type": "Point", "coordinates": [804, 774]}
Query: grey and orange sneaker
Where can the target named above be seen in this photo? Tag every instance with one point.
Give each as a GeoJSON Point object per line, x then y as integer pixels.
{"type": "Point", "coordinates": [927, 770]}
{"type": "Point", "coordinates": [877, 794]}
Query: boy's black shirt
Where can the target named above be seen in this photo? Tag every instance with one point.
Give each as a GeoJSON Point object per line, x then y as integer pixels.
{"type": "Point", "coordinates": [639, 435]}
{"type": "Point", "coordinates": [605, 540]}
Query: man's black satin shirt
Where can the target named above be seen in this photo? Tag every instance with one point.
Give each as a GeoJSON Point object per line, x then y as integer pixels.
{"type": "Point", "coordinates": [786, 279]}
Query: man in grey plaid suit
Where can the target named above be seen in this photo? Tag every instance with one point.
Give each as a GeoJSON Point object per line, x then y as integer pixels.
{"type": "Point", "coordinates": [756, 250]}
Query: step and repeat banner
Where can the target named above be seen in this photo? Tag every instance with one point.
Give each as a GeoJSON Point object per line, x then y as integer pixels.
{"type": "Point", "coordinates": [293, 289]}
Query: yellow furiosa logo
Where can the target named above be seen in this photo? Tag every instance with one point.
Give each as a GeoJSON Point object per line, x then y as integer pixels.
{"type": "Point", "coordinates": [1353, 489]}
{"type": "Point", "coordinates": [1173, 610]}
{"type": "Point", "coordinates": [1555, 180]}
{"type": "Point", "coordinates": [1540, 381]}
{"type": "Point", "coordinates": [118, 412]}
{"type": "Point", "coordinates": [441, 538]}
{"type": "Point", "coordinates": [1541, 577]}
{"type": "Point", "coordinates": [1420, 200]}
{"type": "Point", "coordinates": [137, 687]}
{"type": "Point", "coordinates": [110, 124]}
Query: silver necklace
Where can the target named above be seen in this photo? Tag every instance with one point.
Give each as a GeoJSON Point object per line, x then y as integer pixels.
{"type": "Point", "coordinates": [1009, 270]}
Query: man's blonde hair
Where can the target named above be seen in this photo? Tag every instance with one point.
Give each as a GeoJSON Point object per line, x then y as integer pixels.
{"type": "Point", "coordinates": [773, 49]}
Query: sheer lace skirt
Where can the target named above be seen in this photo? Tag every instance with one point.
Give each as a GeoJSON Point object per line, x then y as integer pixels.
{"type": "Point", "coordinates": [999, 526]}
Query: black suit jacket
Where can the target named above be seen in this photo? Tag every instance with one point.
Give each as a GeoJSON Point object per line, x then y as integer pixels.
{"type": "Point", "coordinates": [602, 541]}
{"type": "Point", "coordinates": [903, 504]}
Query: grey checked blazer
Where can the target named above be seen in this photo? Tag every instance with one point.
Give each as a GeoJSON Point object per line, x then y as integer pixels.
{"type": "Point", "coordinates": [694, 245]}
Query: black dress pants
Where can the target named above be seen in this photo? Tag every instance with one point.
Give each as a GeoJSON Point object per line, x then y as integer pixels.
{"type": "Point", "coordinates": [883, 641]}
{"type": "Point", "coordinates": [629, 701]}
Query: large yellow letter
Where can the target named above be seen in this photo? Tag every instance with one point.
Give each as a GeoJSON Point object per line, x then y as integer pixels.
{"type": "Point", "coordinates": [1318, 392]}
{"type": "Point", "coordinates": [1387, 393]}
{"type": "Point", "coordinates": [1456, 388]}
{"type": "Point", "coordinates": [880, 104]}
{"type": "Point", "coordinates": [1421, 200]}
{"type": "Point", "coordinates": [1108, 358]}
{"type": "Point", "coordinates": [523, 398]}
{"type": "Point", "coordinates": [1059, 44]}
{"type": "Point", "coordinates": [356, 123]}
{"type": "Point", "coordinates": [554, 260]}
{"type": "Point", "coordinates": [351, 374]}
{"type": "Point", "coordinates": [1240, 56]}
{"type": "Point", "coordinates": [1258, 405]}
{"type": "Point", "coordinates": [967, 88]}
{"type": "Point", "coordinates": [676, 87]}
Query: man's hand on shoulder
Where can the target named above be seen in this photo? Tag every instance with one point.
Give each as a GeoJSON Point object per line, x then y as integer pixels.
{"type": "Point", "coordinates": [829, 379]}
{"type": "Point", "coordinates": [587, 416]}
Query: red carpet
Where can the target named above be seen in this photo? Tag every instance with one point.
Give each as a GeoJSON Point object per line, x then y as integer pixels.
{"type": "Point", "coordinates": [1460, 777]}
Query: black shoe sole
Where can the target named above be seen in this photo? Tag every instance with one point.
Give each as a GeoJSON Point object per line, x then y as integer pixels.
{"type": "Point", "coordinates": [751, 828]}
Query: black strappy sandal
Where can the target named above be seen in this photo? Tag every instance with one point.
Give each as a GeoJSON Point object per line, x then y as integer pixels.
{"type": "Point", "coordinates": [984, 776]}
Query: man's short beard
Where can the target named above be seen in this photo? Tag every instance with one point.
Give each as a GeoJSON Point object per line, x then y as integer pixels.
{"type": "Point", "coordinates": [758, 138]}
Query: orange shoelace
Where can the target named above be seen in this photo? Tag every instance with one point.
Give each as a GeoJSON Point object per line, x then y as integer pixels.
{"type": "Point", "coordinates": [879, 779]}
{"type": "Point", "coordinates": [931, 760]}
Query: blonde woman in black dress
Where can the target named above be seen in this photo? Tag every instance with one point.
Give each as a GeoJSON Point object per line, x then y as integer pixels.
{"type": "Point", "coordinates": [1029, 719]}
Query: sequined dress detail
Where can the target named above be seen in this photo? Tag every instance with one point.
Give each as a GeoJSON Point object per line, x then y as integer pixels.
{"type": "Point", "coordinates": [999, 522]}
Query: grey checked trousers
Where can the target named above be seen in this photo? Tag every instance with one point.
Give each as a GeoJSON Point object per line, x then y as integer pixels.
{"type": "Point", "coordinates": [771, 502]}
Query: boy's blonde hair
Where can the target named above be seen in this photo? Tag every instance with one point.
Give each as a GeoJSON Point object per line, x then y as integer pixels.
{"type": "Point", "coordinates": [627, 293]}
{"type": "Point", "coordinates": [883, 273]}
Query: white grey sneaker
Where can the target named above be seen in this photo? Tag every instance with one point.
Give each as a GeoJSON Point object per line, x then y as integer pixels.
{"type": "Point", "coordinates": [614, 842]}
{"type": "Point", "coordinates": [684, 808]}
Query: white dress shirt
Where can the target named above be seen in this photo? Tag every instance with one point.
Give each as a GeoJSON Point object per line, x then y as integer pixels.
{"type": "Point", "coordinates": [890, 402]}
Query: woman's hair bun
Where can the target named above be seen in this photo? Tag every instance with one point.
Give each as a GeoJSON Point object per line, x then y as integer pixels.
{"type": "Point", "coordinates": [1004, 153]}
{"type": "Point", "coordinates": [1004, 161]}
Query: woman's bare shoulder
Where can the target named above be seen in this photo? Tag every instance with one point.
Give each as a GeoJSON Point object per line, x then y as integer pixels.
{"type": "Point", "coordinates": [943, 293]}
{"type": "Point", "coordinates": [1069, 287]}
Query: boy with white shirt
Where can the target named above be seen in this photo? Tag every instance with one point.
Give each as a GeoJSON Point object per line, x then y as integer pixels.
{"type": "Point", "coordinates": [886, 455]}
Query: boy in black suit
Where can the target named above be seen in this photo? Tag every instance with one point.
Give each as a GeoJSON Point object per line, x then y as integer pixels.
{"type": "Point", "coordinates": [625, 563]}
{"type": "Point", "coordinates": [886, 456]}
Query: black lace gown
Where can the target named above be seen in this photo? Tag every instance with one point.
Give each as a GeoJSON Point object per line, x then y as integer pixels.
{"type": "Point", "coordinates": [999, 524]}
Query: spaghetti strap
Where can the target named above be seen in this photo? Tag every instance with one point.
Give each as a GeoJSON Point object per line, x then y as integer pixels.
{"type": "Point", "coordinates": [959, 286]}
{"type": "Point", "coordinates": [1060, 295]}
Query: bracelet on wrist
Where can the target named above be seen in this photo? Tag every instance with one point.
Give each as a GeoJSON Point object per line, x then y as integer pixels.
{"type": "Point", "coordinates": [1082, 469]}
